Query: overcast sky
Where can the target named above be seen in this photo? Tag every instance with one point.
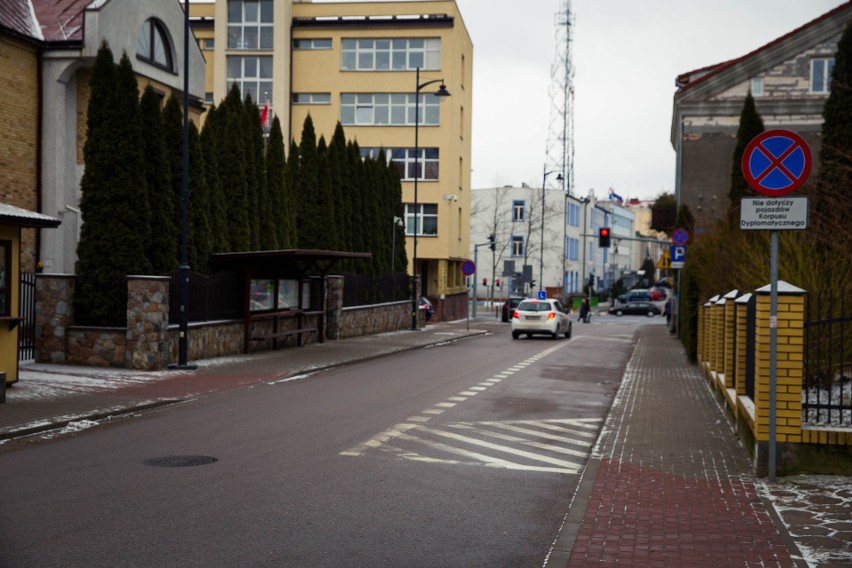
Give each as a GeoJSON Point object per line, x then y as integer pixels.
{"type": "Point", "coordinates": [626, 55]}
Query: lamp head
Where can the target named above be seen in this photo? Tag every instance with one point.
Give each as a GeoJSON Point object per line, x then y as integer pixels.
{"type": "Point", "coordinates": [442, 91]}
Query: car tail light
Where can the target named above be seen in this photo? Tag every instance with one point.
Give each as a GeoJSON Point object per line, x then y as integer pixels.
{"type": "Point", "coordinates": [515, 315]}
{"type": "Point", "coordinates": [551, 315]}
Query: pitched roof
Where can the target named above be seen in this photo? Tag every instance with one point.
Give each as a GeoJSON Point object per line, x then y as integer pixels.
{"type": "Point", "coordinates": [11, 215]}
{"type": "Point", "coordinates": [690, 79]}
{"type": "Point", "coordinates": [17, 17]}
{"type": "Point", "coordinates": [61, 20]}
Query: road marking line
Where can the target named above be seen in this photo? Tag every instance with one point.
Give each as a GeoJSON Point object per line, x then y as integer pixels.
{"type": "Point", "coordinates": [490, 461]}
{"type": "Point", "coordinates": [418, 419]}
{"type": "Point", "coordinates": [543, 434]}
{"type": "Point", "coordinates": [446, 404]}
{"type": "Point", "coordinates": [433, 411]}
{"type": "Point", "coordinates": [478, 388]}
{"type": "Point", "coordinates": [377, 441]}
{"type": "Point", "coordinates": [491, 446]}
{"type": "Point", "coordinates": [524, 441]}
{"type": "Point", "coordinates": [469, 393]}
{"type": "Point", "coordinates": [458, 398]}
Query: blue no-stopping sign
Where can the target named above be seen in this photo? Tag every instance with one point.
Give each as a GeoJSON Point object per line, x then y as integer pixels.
{"type": "Point", "coordinates": [776, 162]}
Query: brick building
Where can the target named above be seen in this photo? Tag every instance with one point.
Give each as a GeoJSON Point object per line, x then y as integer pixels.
{"type": "Point", "coordinates": [47, 48]}
{"type": "Point", "coordinates": [789, 79]}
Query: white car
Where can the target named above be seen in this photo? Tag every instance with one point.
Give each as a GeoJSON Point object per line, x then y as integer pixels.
{"type": "Point", "coordinates": [540, 316]}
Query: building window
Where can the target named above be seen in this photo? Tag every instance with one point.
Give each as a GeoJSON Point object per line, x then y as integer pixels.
{"type": "Point", "coordinates": [312, 98]}
{"type": "Point", "coordinates": [757, 87]}
{"type": "Point", "coordinates": [397, 54]}
{"type": "Point", "coordinates": [153, 45]}
{"type": "Point", "coordinates": [312, 43]}
{"type": "Point", "coordinates": [208, 98]}
{"type": "Point", "coordinates": [427, 219]}
{"type": "Point", "coordinates": [517, 245]}
{"type": "Point", "coordinates": [403, 159]}
{"type": "Point", "coordinates": [250, 24]}
{"type": "Point", "coordinates": [253, 76]}
{"type": "Point", "coordinates": [573, 215]}
{"type": "Point", "coordinates": [572, 249]}
{"type": "Point", "coordinates": [397, 109]}
{"type": "Point", "coordinates": [821, 70]}
{"type": "Point", "coordinates": [518, 211]}
{"type": "Point", "coordinates": [210, 44]}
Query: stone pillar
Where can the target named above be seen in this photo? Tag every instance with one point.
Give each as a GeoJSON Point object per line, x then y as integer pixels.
{"type": "Point", "coordinates": [740, 344]}
{"type": "Point", "coordinates": [701, 334]}
{"type": "Point", "coordinates": [728, 336]}
{"type": "Point", "coordinates": [334, 306]}
{"type": "Point", "coordinates": [713, 336]}
{"type": "Point", "coordinates": [54, 313]}
{"type": "Point", "coordinates": [790, 363]}
{"type": "Point", "coordinates": [147, 322]}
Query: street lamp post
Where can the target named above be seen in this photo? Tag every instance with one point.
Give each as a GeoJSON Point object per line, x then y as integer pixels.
{"type": "Point", "coordinates": [183, 269]}
{"type": "Point", "coordinates": [541, 252]}
{"type": "Point", "coordinates": [441, 92]}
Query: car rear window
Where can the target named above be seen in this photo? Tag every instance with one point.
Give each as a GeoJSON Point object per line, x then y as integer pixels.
{"type": "Point", "coordinates": [535, 307]}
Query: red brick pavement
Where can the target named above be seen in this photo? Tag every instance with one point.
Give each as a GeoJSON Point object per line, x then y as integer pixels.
{"type": "Point", "coordinates": [673, 485]}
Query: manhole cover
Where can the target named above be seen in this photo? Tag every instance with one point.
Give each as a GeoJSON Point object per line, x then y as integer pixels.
{"type": "Point", "coordinates": [179, 461]}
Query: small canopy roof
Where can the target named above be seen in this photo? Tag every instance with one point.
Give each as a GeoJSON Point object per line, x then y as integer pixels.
{"type": "Point", "coordinates": [277, 263]}
{"type": "Point", "coordinates": [11, 215]}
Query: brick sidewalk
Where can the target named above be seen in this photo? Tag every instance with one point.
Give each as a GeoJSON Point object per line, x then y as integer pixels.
{"type": "Point", "coordinates": [673, 487]}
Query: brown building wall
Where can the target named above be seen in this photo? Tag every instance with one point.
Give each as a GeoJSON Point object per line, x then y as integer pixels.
{"type": "Point", "coordinates": [19, 100]}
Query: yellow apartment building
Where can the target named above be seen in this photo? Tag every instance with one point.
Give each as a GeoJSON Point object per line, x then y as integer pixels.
{"type": "Point", "coordinates": [358, 64]}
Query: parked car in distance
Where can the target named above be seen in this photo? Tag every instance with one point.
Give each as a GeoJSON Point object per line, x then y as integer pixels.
{"type": "Point", "coordinates": [540, 317]}
{"type": "Point", "coordinates": [636, 309]}
{"type": "Point", "coordinates": [657, 294]}
{"type": "Point", "coordinates": [635, 296]}
{"type": "Point", "coordinates": [509, 307]}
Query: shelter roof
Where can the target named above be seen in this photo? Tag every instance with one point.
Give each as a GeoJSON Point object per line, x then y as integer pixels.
{"type": "Point", "coordinates": [274, 263]}
{"type": "Point", "coordinates": [11, 215]}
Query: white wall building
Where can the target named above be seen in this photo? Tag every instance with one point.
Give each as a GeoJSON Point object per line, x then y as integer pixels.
{"type": "Point", "coordinates": [558, 257]}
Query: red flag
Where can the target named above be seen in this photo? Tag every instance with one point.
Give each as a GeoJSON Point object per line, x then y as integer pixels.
{"type": "Point", "coordinates": [264, 116]}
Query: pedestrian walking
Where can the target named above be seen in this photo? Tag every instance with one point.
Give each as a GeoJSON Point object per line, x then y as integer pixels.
{"type": "Point", "coordinates": [585, 311]}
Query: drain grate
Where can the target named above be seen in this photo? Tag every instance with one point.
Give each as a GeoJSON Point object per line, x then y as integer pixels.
{"type": "Point", "coordinates": [180, 461]}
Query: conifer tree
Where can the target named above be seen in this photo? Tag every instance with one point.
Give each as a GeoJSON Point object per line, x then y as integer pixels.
{"type": "Point", "coordinates": [325, 205]}
{"type": "Point", "coordinates": [252, 137]}
{"type": "Point", "coordinates": [116, 229]}
{"type": "Point", "coordinates": [357, 196]}
{"type": "Point", "coordinates": [338, 165]}
{"type": "Point", "coordinates": [163, 252]}
{"type": "Point", "coordinates": [309, 219]}
{"type": "Point", "coordinates": [173, 142]}
{"type": "Point", "coordinates": [291, 201]}
{"type": "Point", "coordinates": [209, 148]}
{"type": "Point", "coordinates": [232, 162]}
{"type": "Point", "coordinates": [200, 239]}
{"type": "Point", "coordinates": [751, 124]}
{"type": "Point", "coordinates": [831, 200]}
{"type": "Point", "coordinates": [276, 172]}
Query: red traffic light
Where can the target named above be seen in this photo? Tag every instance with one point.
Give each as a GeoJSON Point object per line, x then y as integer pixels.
{"type": "Point", "coordinates": [603, 237]}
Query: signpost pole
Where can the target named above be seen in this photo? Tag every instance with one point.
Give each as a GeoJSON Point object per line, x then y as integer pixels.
{"type": "Point", "coordinates": [475, 276]}
{"type": "Point", "coordinates": [773, 342]}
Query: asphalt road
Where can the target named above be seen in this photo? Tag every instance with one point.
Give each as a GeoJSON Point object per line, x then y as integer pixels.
{"type": "Point", "coordinates": [466, 454]}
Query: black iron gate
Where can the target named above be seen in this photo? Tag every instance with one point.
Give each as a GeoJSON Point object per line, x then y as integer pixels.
{"type": "Point", "coordinates": [827, 398]}
{"type": "Point", "coordinates": [26, 330]}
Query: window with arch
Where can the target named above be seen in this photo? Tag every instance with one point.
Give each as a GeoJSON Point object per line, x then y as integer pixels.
{"type": "Point", "coordinates": [153, 45]}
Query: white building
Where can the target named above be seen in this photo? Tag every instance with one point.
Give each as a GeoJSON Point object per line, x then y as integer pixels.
{"type": "Point", "coordinates": [557, 258]}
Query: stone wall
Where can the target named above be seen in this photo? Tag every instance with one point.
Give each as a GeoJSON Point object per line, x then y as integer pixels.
{"type": "Point", "coordinates": [378, 318]}
{"type": "Point", "coordinates": [149, 342]}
